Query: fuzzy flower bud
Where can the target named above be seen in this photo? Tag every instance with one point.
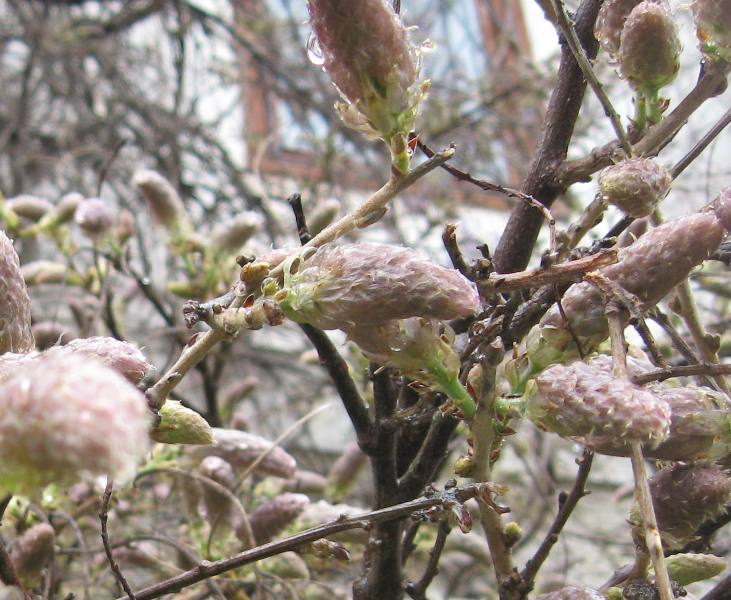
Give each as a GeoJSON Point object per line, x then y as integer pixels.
{"type": "Point", "coordinates": [15, 331]}
{"type": "Point", "coordinates": [51, 333]}
{"type": "Point", "coordinates": [64, 416]}
{"type": "Point", "coordinates": [572, 593]}
{"type": "Point", "coordinates": [95, 217]}
{"type": "Point", "coordinates": [610, 22]}
{"type": "Point", "coordinates": [419, 348]}
{"type": "Point", "coordinates": [218, 506]}
{"type": "Point", "coordinates": [32, 551]}
{"type": "Point", "coordinates": [684, 496]}
{"type": "Point", "coordinates": [32, 208]}
{"type": "Point", "coordinates": [181, 425]}
{"type": "Point", "coordinates": [232, 234]}
{"type": "Point", "coordinates": [123, 357]}
{"type": "Point", "coordinates": [366, 51]}
{"type": "Point", "coordinates": [162, 199]}
{"type": "Point", "coordinates": [634, 185]}
{"type": "Point", "coordinates": [581, 399]}
{"type": "Point", "coordinates": [713, 27]}
{"type": "Point", "coordinates": [322, 215]}
{"type": "Point", "coordinates": [650, 268]}
{"type": "Point", "coordinates": [273, 516]}
{"type": "Point", "coordinates": [62, 213]}
{"type": "Point", "coordinates": [649, 48]}
{"type": "Point", "coordinates": [340, 287]}
{"type": "Point", "coordinates": [241, 449]}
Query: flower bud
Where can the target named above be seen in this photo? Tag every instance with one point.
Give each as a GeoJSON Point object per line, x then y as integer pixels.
{"type": "Point", "coordinates": [123, 357]}
{"type": "Point", "coordinates": [340, 287]}
{"type": "Point", "coordinates": [51, 333]}
{"type": "Point", "coordinates": [66, 207]}
{"type": "Point", "coordinates": [722, 207]}
{"type": "Point", "coordinates": [64, 416]}
{"type": "Point", "coordinates": [322, 215]}
{"type": "Point", "coordinates": [181, 425]}
{"type": "Point", "coordinates": [95, 217]}
{"type": "Point", "coordinates": [420, 349]}
{"type": "Point", "coordinates": [684, 496]}
{"type": "Point", "coordinates": [32, 551]}
{"type": "Point", "coordinates": [610, 22]}
{"type": "Point", "coordinates": [232, 234]}
{"type": "Point", "coordinates": [689, 568]}
{"type": "Point", "coordinates": [162, 199]}
{"type": "Point", "coordinates": [366, 51]}
{"type": "Point", "coordinates": [32, 208]}
{"type": "Point", "coordinates": [581, 399]}
{"type": "Point", "coordinates": [15, 331]}
{"type": "Point", "coordinates": [634, 185]}
{"type": "Point", "coordinates": [273, 516]}
{"type": "Point", "coordinates": [649, 48]}
{"type": "Point", "coordinates": [241, 449]}
{"type": "Point", "coordinates": [572, 592]}
{"type": "Point", "coordinates": [713, 27]}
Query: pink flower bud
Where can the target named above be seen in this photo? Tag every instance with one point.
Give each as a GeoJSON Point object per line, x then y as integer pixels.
{"type": "Point", "coordinates": [31, 552]}
{"type": "Point", "coordinates": [240, 449]}
{"type": "Point", "coordinates": [340, 287]}
{"type": "Point", "coordinates": [684, 496]}
{"type": "Point", "coordinates": [64, 416]}
{"type": "Point", "coordinates": [634, 185]}
{"type": "Point", "coordinates": [610, 22]}
{"type": "Point", "coordinates": [29, 207]}
{"type": "Point", "coordinates": [649, 47]}
{"type": "Point", "coordinates": [165, 205]}
{"type": "Point", "coordinates": [582, 400]}
{"type": "Point", "coordinates": [95, 217]}
{"type": "Point", "coordinates": [123, 357]}
{"type": "Point", "coordinates": [15, 331]}
{"type": "Point", "coordinates": [273, 516]}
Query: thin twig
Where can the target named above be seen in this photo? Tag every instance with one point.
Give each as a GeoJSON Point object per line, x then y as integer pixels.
{"type": "Point", "coordinates": [682, 371]}
{"type": "Point", "coordinates": [206, 570]}
{"type": "Point", "coordinates": [701, 145]}
{"type": "Point", "coordinates": [449, 239]}
{"type": "Point", "coordinates": [418, 590]}
{"type": "Point", "coordinates": [103, 516]}
{"type": "Point", "coordinates": [567, 503]}
{"type": "Point", "coordinates": [567, 30]}
{"type": "Point", "coordinates": [558, 273]}
{"type": "Point", "coordinates": [303, 232]}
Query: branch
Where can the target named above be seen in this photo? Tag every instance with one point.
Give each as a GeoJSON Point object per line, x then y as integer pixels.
{"type": "Point", "coordinates": [520, 234]}
{"type": "Point", "coordinates": [103, 515]}
{"type": "Point", "coordinates": [418, 590]}
{"type": "Point", "coordinates": [559, 273]}
{"type": "Point", "coordinates": [207, 569]}
{"type": "Point", "coordinates": [337, 368]}
{"type": "Point", "coordinates": [566, 505]}
{"type": "Point", "coordinates": [721, 591]}
{"type": "Point", "coordinates": [572, 40]}
{"type": "Point", "coordinates": [682, 371]}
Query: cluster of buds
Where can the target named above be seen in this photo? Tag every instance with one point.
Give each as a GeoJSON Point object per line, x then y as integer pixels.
{"type": "Point", "coordinates": [684, 496]}
{"type": "Point", "coordinates": [583, 401]}
{"type": "Point", "coordinates": [389, 301]}
{"type": "Point", "coordinates": [634, 185]}
{"type": "Point", "coordinates": [713, 27]}
{"type": "Point", "coordinates": [64, 416]}
{"type": "Point", "coordinates": [365, 49]}
{"type": "Point", "coordinates": [648, 269]}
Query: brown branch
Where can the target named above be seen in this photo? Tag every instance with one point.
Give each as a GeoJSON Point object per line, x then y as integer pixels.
{"type": "Point", "coordinates": [337, 368]}
{"type": "Point", "coordinates": [682, 371]}
{"type": "Point", "coordinates": [418, 590]}
{"type": "Point", "coordinates": [533, 278]}
{"type": "Point", "coordinates": [103, 515]}
{"type": "Point", "coordinates": [206, 569]}
{"type": "Point", "coordinates": [566, 505]}
{"type": "Point", "coordinates": [721, 591]}
{"type": "Point", "coordinates": [521, 232]}
{"type": "Point", "coordinates": [701, 145]}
